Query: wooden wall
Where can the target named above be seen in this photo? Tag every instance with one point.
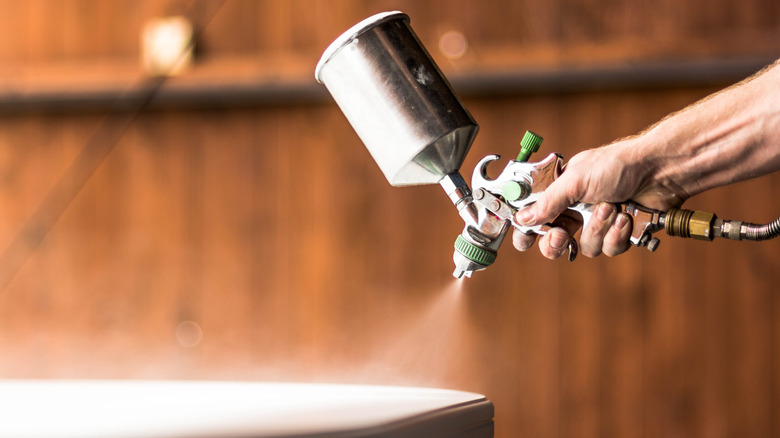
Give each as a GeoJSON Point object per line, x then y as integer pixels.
{"type": "Point", "coordinates": [259, 240]}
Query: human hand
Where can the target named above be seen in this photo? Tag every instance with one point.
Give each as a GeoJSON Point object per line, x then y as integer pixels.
{"type": "Point", "coordinates": [728, 137]}
{"type": "Point", "coordinates": [603, 176]}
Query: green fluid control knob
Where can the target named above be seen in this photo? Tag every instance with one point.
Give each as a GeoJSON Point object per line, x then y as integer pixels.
{"type": "Point", "coordinates": [528, 145]}
{"type": "Point", "coordinates": [513, 191]}
{"type": "Point", "coordinates": [473, 252]}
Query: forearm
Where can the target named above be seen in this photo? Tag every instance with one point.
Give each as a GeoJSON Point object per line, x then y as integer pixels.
{"type": "Point", "coordinates": [728, 137]}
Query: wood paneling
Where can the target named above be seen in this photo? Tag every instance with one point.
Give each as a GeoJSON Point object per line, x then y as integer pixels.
{"type": "Point", "coordinates": [272, 230]}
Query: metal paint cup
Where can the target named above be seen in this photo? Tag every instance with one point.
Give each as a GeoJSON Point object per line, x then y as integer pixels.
{"type": "Point", "coordinates": [397, 100]}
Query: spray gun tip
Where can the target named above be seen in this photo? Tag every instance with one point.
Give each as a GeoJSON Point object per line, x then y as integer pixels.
{"type": "Point", "coordinates": [460, 273]}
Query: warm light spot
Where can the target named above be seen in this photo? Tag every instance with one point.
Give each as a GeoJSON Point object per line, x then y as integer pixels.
{"type": "Point", "coordinates": [188, 334]}
{"type": "Point", "coordinates": [166, 46]}
{"type": "Point", "coordinates": [453, 44]}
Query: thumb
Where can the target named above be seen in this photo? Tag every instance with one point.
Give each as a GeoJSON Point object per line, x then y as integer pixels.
{"type": "Point", "coordinates": [550, 203]}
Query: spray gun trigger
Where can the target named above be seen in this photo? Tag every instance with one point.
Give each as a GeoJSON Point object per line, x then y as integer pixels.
{"type": "Point", "coordinates": [494, 205]}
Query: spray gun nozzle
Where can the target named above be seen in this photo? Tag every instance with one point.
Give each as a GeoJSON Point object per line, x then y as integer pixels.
{"type": "Point", "coordinates": [477, 245]}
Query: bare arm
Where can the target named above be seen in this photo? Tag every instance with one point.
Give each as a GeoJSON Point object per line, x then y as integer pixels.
{"type": "Point", "coordinates": [731, 136]}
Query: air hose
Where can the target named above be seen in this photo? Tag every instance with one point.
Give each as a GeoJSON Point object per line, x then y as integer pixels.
{"type": "Point", "coordinates": [759, 232]}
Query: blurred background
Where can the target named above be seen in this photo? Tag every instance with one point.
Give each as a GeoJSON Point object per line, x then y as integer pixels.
{"type": "Point", "coordinates": [227, 224]}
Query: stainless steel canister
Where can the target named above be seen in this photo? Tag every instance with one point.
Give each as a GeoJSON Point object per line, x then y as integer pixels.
{"type": "Point", "coordinates": [397, 100]}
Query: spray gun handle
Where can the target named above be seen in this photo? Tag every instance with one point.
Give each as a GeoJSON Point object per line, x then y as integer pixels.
{"type": "Point", "coordinates": [645, 221]}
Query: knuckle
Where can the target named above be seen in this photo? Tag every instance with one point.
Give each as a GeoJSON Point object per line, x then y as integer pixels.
{"type": "Point", "coordinates": [548, 250]}
{"type": "Point", "coordinates": [614, 251]}
{"type": "Point", "coordinates": [615, 244]}
{"type": "Point", "coordinates": [522, 241]}
{"type": "Point", "coordinates": [590, 252]}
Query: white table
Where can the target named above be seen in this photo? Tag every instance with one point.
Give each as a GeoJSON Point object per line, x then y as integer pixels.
{"type": "Point", "coordinates": [107, 409]}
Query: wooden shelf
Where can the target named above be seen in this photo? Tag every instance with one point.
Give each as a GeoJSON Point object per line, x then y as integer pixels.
{"type": "Point", "coordinates": [251, 81]}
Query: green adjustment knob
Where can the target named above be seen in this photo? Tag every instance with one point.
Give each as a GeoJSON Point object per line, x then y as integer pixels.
{"type": "Point", "coordinates": [473, 252]}
{"type": "Point", "coordinates": [528, 145]}
{"type": "Point", "coordinates": [513, 191]}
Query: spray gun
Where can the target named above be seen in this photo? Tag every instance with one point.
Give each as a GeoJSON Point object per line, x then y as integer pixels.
{"type": "Point", "coordinates": [520, 184]}
{"type": "Point", "coordinates": [418, 131]}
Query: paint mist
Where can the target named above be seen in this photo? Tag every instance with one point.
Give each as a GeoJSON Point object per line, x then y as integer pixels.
{"type": "Point", "coordinates": [427, 346]}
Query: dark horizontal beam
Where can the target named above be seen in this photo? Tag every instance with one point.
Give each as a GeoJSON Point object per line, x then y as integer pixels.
{"type": "Point", "coordinates": [624, 76]}
{"type": "Point", "coordinates": [248, 92]}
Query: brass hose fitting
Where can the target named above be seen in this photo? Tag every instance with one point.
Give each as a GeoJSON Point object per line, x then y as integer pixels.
{"type": "Point", "coordinates": [706, 226]}
{"type": "Point", "coordinates": [689, 223]}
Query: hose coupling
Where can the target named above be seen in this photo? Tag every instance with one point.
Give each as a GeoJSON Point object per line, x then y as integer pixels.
{"type": "Point", "coordinates": [706, 226]}
{"type": "Point", "coordinates": [688, 223]}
